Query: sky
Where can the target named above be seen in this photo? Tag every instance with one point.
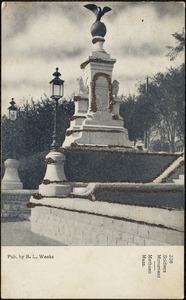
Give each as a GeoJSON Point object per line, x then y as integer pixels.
{"type": "Point", "coordinates": [37, 37]}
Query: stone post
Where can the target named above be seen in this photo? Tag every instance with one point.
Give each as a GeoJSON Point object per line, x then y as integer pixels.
{"type": "Point", "coordinates": [11, 180]}
{"type": "Point", "coordinates": [54, 182]}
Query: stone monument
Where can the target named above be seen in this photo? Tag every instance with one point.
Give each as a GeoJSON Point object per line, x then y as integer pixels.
{"type": "Point", "coordinates": [96, 120]}
{"type": "Point", "coordinates": [119, 196]}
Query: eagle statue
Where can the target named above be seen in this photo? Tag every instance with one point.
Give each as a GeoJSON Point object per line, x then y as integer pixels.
{"type": "Point", "coordinates": [98, 28]}
{"type": "Point", "coordinates": [97, 10]}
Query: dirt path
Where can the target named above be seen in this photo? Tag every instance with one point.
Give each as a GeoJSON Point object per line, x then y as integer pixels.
{"type": "Point", "coordinates": [19, 234]}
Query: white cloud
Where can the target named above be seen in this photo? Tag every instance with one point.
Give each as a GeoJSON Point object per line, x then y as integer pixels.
{"type": "Point", "coordinates": [58, 35]}
{"type": "Point", "coordinates": [46, 31]}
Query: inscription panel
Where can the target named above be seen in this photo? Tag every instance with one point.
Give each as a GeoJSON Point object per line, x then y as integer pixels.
{"type": "Point", "coordinates": [102, 94]}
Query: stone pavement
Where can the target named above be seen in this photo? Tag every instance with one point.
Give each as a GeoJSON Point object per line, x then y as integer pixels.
{"type": "Point", "coordinates": [17, 233]}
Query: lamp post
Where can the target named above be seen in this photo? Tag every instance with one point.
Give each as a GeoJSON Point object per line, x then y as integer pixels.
{"type": "Point", "coordinates": [146, 125]}
{"type": "Point", "coordinates": [55, 182]}
{"type": "Point", "coordinates": [57, 90]}
{"type": "Point", "coordinates": [12, 110]}
{"type": "Point", "coordinates": [12, 114]}
{"type": "Point", "coordinates": [11, 180]}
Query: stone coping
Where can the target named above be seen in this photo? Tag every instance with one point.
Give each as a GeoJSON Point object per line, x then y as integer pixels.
{"type": "Point", "coordinates": [152, 186]}
{"type": "Point", "coordinates": [166, 218]}
{"type": "Point", "coordinates": [120, 149]}
{"type": "Point", "coordinates": [91, 189]}
{"type": "Point", "coordinates": [170, 170]}
{"type": "Point", "coordinates": [19, 191]}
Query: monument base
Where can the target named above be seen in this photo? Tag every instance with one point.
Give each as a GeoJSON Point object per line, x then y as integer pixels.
{"type": "Point", "coordinates": [93, 135]}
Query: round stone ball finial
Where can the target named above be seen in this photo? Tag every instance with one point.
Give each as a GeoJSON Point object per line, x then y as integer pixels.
{"type": "Point", "coordinates": [98, 29]}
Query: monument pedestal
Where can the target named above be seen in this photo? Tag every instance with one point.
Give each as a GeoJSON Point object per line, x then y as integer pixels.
{"type": "Point", "coordinates": [102, 124]}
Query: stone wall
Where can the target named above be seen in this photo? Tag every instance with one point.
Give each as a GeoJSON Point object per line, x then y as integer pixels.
{"type": "Point", "coordinates": [14, 204]}
{"type": "Point", "coordinates": [85, 228]}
